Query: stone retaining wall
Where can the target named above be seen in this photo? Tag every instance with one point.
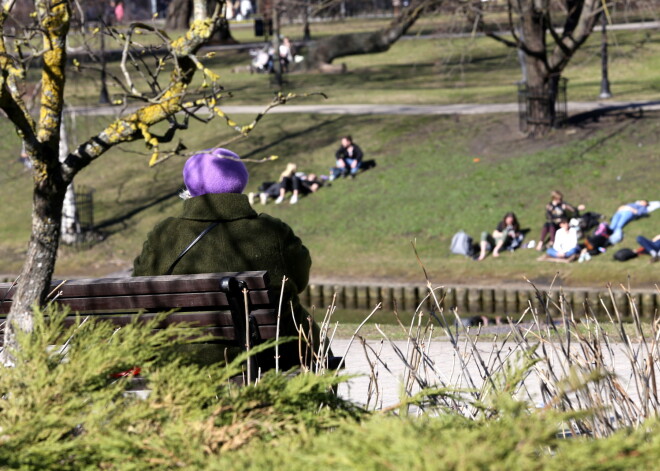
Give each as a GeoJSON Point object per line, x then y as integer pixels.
{"type": "Point", "coordinates": [481, 299]}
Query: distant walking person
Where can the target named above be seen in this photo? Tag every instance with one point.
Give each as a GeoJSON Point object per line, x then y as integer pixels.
{"type": "Point", "coordinates": [119, 10]}
{"type": "Point", "coordinates": [623, 215]}
{"type": "Point", "coordinates": [349, 159]}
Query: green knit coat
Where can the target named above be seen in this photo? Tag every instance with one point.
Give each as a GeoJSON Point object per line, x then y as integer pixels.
{"type": "Point", "coordinates": [243, 241]}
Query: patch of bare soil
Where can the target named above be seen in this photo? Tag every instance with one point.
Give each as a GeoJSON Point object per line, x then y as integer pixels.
{"type": "Point", "coordinates": [500, 136]}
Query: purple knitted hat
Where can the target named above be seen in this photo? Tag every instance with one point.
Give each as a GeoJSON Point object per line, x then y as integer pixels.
{"type": "Point", "coordinates": [214, 171]}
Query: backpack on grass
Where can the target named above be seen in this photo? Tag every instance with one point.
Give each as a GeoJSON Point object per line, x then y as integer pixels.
{"type": "Point", "coordinates": [623, 255]}
{"type": "Point", "coordinates": [461, 244]}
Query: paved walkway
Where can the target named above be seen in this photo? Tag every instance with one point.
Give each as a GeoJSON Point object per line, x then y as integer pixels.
{"type": "Point", "coordinates": [445, 359]}
{"type": "Point", "coordinates": [370, 109]}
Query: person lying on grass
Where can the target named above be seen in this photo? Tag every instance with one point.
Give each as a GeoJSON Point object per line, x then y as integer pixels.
{"type": "Point", "coordinates": [651, 246]}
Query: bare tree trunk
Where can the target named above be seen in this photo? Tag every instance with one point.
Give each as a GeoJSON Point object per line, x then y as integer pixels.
{"type": "Point", "coordinates": [321, 53]}
{"type": "Point", "coordinates": [70, 226]}
{"type": "Point", "coordinates": [540, 111]}
{"type": "Point", "coordinates": [547, 50]}
{"type": "Point", "coordinates": [42, 138]}
{"type": "Point", "coordinates": [40, 260]}
{"type": "Point", "coordinates": [307, 35]}
{"type": "Point", "coordinates": [178, 14]}
{"type": "Point", "coordinates": [223, 36]}
{"type": "Point", "coordinates": [277, 60]}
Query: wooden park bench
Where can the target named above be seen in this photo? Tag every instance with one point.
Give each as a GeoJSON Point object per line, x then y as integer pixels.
{"type": "Point", "coordinates": [212, 304]}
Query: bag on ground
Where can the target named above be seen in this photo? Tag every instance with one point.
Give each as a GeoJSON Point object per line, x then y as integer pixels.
{"type": "Point", "coordinates": [461, 244]}
{"type": "Point", "coordinates": [623, 255]}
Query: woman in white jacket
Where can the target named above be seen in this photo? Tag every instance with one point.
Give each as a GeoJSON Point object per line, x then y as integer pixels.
{"type": "Point", "coordinates": [566, 242]}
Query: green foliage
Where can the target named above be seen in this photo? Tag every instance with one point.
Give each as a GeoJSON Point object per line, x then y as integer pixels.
{"type": "Point", "coordinates": [514, 440]}
{"type": "Point", "coordinates": [62, 409]}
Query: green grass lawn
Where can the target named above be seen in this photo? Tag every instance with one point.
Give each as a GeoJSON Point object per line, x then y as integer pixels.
{"type": "Point", "coordinates": [426, 186]}
{"type": "Point", "coordinates": [429, 71]}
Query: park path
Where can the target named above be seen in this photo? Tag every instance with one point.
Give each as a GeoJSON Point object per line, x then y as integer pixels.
{"type": "Point", "coordinates": [373, 109]}
{"type": "Point", "coordinates": [446, 363]}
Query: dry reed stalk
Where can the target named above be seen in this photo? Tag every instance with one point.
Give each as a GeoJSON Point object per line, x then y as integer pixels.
{"type": "Point", "coordinates": [570, 360]}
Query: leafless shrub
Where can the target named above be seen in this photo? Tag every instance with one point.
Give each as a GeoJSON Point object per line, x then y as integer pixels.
{"type": "Point", "coordinates": [603, 372]}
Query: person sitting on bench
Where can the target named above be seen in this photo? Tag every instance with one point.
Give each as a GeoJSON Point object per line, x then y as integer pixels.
{"type": "Point", "coordinates": [231, 237]}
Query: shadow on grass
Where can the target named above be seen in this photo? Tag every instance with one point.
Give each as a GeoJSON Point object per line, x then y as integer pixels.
{"type": "Point", "coordinates": [633, 111]}
{"type": "Point", "coordinates": [291, 136]}
{"type": "Point", "coordinates": [132, 212]}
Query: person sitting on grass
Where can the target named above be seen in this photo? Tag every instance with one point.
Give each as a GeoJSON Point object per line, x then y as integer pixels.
{"type": "Point", "coordinates": [348, 159]}
{"type": "Point", "coordinates": [554, 211]}
{"type": "Point", "coordinates": [506, 232]}
{"type": "Point", "coordinates": [287, 182]}
{"type": "Point", "coordinates": [651, 246]}
{"type": "Point", "coordinates": [565, 245]}
{"type": "Point", "coordinates": [299, 184]}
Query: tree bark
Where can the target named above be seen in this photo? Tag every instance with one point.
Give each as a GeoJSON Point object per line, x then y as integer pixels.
{"type": "Point", "coordinates": [321, 53]}
{"type": "Point", "coordinates": [40, 259]}
{"type": "Point", "coordinates": [70, 224]}
{"type": "Point", "coordinates": [178, 14]}
{"type": "Point", "coordinates": [540, 112]}
{"type": "Point", "coordinates": [544, 61]}
{"type": "Point", "coordinates": [223, 36]}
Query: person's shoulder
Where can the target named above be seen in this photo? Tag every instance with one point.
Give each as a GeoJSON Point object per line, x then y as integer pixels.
{"type": "Point", "coordinates": [165, 224]}
{"type": "Point", "coordinates": [267, 219]}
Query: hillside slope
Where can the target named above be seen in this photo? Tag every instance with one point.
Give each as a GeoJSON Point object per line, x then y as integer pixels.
{"type": "Point", "coordinates": [435, 175]}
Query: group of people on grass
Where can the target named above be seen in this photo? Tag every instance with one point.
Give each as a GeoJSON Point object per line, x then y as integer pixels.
{"type": "Point", "coordinates": [348, 162]}
{"type": "Point", "coordinates": [297, 183]}
{"type": "Point", "coordinates": [564, 227]}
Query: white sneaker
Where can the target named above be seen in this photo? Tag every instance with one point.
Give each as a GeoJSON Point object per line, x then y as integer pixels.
{"type": "Point", "coordinates": [251, 198]}
{"type": "Point", "coordinates": [279, 199]}
{"type": "Point", "coordinates": [263, 197]}
{"type": "Point", "coordinates": [294, 199]}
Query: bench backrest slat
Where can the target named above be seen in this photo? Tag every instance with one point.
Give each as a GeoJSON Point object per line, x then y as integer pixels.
{"type": "Point", "coordinates": [216, 324]}
{"type": "Point", "coordinates": [255, 280]}
{"type": "Point", "coordinates": [218, 318]}
{"type": "Point", "coordinates": [162, 292]}
{"type": "Point", "coordinates": [211, 306]}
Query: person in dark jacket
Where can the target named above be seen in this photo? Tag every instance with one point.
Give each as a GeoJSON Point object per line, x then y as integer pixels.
{"type": "Point", "coordinates": [242, 241]}
{"type": "Point", "coordinates": [348, 159]}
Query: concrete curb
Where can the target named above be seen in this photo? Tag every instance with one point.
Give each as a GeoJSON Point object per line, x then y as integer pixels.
{"type": "Point", "coordinates": [483, 300]}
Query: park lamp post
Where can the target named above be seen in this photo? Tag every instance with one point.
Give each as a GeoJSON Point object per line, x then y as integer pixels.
{"type": "Point", "coordinates": [605, 82]}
